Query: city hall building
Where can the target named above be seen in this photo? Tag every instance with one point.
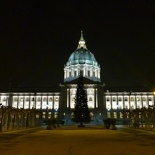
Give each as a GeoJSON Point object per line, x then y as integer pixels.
{"type": "Point", "coordinates": [102, 103]}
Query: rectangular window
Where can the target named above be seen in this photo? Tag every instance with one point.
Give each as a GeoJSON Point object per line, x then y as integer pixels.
{"type": "Point", "coordinates": [90, 99]}
{"type": "Point", "coordinates": [115, 114]}
{"type": "Point", "coordinates": [55, 114]}
{"type": "Point", "coordinates": [108, 99]}
{"type": "Point", "coordinates": [108, 115]}
{"type": "Point", "coordinates": [50, 99]}
{"type": "Point", "coordinates": [125, 99]}
{"type": "Point", "coordinates": [131, 99]}
{"type": "Point", "coordinates": [44, 99]}
{"type": "Point", "coordinates": [121, 115]}
{"type": "Point", "coordinates": [38, 99]}
{"type": "Point", "coordinates": [144, 98]}
{"type": "Point", "coordinates": [88, 73]}
{"type": "Point", "coordinates": [49, 114]}
{"type": "Point", "coordinates": [56, 99]}
{"type": "Point", "coordinates": [150, 99]}
{"type": "Point", "coordinates": [74, 73]}
{"type": "Point", "coordinates": [15, 99]}
{"type": "Point", "coordinates": [44, 114]}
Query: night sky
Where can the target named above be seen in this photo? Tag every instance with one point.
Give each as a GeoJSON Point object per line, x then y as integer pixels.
{"type": "Point", "coordinates": [37, 38]}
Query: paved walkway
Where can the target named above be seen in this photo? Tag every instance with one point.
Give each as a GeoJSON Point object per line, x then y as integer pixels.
{"type": "Point", "coordinates": [78, 141]}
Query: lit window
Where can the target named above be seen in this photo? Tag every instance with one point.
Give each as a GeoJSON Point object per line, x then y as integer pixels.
{"type": "Point", "coordinates": [37, 116]}
{"type": "Point", "coordinates": [44, 114]}
{"type": "Point", "coordinates": [125, 99]}
{"type": "Point", "coordinates": [108, 115]}
{"type": "Point", "coordinates": [138, 99]}
{"type": "Point", "coordinates": [144, 98]}
{"type": "Point", "coordinates": [108, 99]}
{"type": "Point", "coordinates": [115, 115]}
{"type": "Point", "coordinates": [50, 99]}
{"type": "Point", "coordinates": [44, 99]}
{"type": "Point", "coordinates": [150, 99]}
{"type": "Point", "coordinates": [90, 99]}
{"type": "Point", "coordinates": [21, 100]}
{"type": "Point", "coordinates": [121, 115]}
{"type": "Point", "coordinates": [73, 99]}
{"type": "Point", "coordinates": [49, 114]}
{"type": "Point", "coordinates": [56, 99]}
{"type": "Point", "coordinates": [55, 114]}
{"type": "Point", "coordinates": [131, 99]}
{"type": "Point", "coordinates": [15, 99]}
{"type": "Point", "coordinates": [114, 99]}
{"type": "Point", "coordinates": [38, 99]}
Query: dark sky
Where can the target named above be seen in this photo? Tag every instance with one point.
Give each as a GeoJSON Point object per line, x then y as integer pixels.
{"type": "Point", "coordinates": [37, 38]}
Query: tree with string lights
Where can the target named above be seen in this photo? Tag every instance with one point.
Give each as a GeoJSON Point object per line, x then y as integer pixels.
{"type": "Point", "coordinates": [81, 113]}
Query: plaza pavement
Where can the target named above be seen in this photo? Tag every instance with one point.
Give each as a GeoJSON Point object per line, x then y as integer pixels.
{"type": "Point", "coordinates": [71, 140]}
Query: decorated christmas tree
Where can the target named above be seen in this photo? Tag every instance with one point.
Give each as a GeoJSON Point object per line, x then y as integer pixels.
{"type": "Point", "coordinates": [81, 112]}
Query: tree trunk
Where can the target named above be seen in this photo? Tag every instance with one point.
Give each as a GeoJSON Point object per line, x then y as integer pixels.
{"type": "Point", "coordinates": [1, 123]}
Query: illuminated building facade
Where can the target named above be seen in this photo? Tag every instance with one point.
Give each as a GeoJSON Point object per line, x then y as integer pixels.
{"type": "Point", "coordinates": [101, 102]}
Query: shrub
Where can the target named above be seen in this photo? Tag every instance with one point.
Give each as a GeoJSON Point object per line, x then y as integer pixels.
{"type": "Point", "coordinates": [108, 122]}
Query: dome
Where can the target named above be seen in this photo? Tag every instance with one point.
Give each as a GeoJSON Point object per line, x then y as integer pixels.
{"type": "Point", "coordinates": [82, 55]}
{"type": "Point", "coordinates": [82, 61]}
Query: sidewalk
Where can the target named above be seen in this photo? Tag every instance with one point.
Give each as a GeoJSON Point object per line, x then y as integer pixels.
{"type": "Point", "coordinates": [140, 129]}
{"type": "Point", "coordinates": [4, 131]}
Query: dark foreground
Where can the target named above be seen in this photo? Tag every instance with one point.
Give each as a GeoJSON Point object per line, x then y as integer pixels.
{"type": "Point", "coordinates": [78, 141]}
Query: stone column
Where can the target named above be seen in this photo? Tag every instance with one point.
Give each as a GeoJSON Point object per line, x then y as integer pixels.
{"type": "Point", "coordinates": [18, 102]}
{"type": "Point", "coordinates": [96, 98]}
{"type": "Point", "coordinates": [67, 98]}
{"type": "Point", "coordinates": [41, 101]}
